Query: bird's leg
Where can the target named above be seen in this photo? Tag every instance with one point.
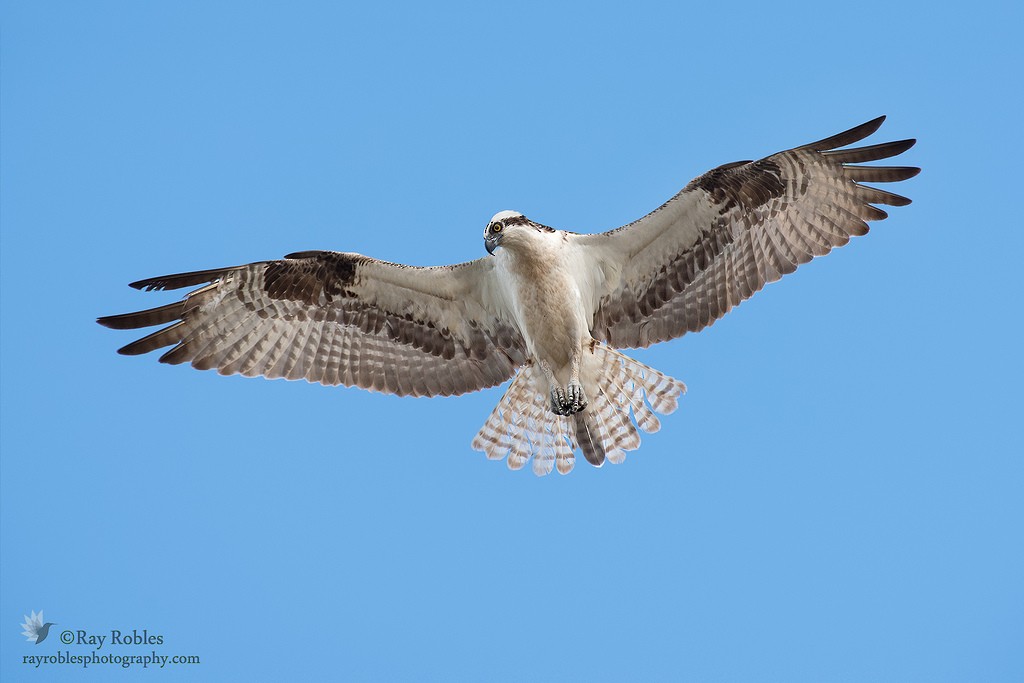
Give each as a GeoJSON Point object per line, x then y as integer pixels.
{"type": "Point", "coordinates": [557, 393]}
{"type": "Point", "coordinates": [575, 397]}
{"type": "Point", "coordinates": [570, 399]}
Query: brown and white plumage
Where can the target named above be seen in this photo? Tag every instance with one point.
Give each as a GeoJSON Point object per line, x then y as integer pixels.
{"type": "Point", "coordinates": [337, 318]}
{"type": "Point", "coordinates": [548, 308]}
{"type": "Point", "coordinates": [735, 229]}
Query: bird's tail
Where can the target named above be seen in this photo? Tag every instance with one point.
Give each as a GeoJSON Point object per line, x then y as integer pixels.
{"type": "Point", "coordinates": [623, 394]}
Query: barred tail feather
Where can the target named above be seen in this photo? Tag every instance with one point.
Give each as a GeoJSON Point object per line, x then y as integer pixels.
{"type": "Point", "coordinates": [522, 426]}
{"type": "Point", "coordinates": [623, 395]}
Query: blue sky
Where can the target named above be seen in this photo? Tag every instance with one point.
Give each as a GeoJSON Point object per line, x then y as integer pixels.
{"type": "Point", "coordinates": [839, 496]}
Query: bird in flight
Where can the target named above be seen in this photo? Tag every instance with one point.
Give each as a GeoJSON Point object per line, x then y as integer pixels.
{"type": "Point", "coordinates": [548, 308]}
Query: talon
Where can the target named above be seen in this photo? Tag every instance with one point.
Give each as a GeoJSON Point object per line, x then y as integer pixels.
{"type": "Point", "coordinates": [568, 401]}
{"type": "Point", "coordinates": [577, 398]}
{"type": "Point", "coordinates": [558, 402]}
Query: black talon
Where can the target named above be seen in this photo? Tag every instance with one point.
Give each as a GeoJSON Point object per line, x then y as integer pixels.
{"type": "Point", "coordinates": [568, 401]}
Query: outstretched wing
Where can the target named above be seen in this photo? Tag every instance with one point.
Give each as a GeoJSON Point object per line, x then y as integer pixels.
{"type": "Point", "coordinates": [734, 229]}
{"type": "Point", "coordinates": [338, 318]}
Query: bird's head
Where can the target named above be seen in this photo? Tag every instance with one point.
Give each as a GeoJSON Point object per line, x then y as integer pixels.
{"type": "Point", "coordinates": [508, 228]}
{"type": "Point", "coordinates": [499, 226]}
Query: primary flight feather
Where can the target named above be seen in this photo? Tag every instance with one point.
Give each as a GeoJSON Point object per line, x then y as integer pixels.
{"type": "Point", "coordinates": [546, 307]}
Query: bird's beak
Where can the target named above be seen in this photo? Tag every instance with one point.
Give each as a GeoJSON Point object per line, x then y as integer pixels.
{"type": "Point", "coordinates": [490, 244]}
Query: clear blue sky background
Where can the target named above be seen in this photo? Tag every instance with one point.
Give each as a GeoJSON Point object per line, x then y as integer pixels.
{"type": "Point", "coordinates": [838, 498]}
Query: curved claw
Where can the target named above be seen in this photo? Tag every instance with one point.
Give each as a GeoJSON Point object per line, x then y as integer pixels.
{"type": "Point", "coordinates": [558, 401]}
{"type": "Point", "coordinates": [576, 398]}
{"type": "Point", "coordinates": [568, 401]}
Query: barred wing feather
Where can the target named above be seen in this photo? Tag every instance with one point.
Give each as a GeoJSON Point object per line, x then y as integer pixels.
{"type": "Point", "coordinates": [338, 318]}
{"type": "Point", "coordinates": [734, 229]}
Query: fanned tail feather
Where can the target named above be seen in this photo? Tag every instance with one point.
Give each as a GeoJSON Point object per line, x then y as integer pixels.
{"type": "Point", "coordinates": [522, 426]}
{"type": "Point", "coordinates": [623, 396]}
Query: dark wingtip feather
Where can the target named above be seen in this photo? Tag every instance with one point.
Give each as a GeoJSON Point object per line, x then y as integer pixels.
{"type": "Point", "coordinates": [181, 353]}
{"type": "Point", "coordinates": [880, 174]}
{"type": "Point", "coordinates": [179, 280]}
{"type": "Point", "coordinates": [159, 339]}
{"type": "Point", "coordinates": [872, 195]}
{"type": "Point", "coordinates": [901, 146]}
{"type": "Point", "coordinates": [872, 213]}
{"type": "Point", "coordinates": [871, 152]}
{"type": "Point", "coordinates": [147, 318]}
{"type": "Point", "coordinates": [847, 137]}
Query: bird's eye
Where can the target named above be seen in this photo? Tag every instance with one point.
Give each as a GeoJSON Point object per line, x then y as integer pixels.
{"type": "Point", "coordinates": [497, 226]}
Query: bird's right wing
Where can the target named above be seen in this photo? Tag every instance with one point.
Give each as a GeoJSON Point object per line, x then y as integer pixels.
{"type": "Point", "coordinates": [339, 318]}
{"type": "Point", "coordinates": [731, 231]}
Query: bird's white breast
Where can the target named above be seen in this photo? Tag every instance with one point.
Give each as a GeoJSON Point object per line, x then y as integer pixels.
{"type": "Point", "coordinates": [550, 293]}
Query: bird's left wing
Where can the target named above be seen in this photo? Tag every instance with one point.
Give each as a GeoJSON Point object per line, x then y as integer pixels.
{"type": "Point", "coordinates": [731, 231]}
{"type": "Point", "coordinates": [338, 318]}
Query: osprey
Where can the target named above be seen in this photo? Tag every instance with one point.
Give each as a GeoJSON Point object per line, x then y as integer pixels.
{"type": "Point", "coordinates": [548, 308]}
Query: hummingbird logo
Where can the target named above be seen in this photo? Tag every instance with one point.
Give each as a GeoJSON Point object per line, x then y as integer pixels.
{"type": "Point", "coordinates": [35, 630]}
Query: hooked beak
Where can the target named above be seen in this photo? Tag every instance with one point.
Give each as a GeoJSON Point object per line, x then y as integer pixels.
{"type": "Point", "coordinates": [490, 244]}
